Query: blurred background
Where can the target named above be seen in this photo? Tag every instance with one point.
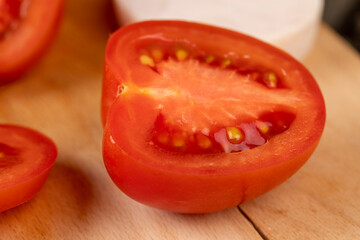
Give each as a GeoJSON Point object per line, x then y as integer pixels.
{"type": "Point", "coordinates": [344, 17]}
{"type": "Point", "coordinates": [292, 27]}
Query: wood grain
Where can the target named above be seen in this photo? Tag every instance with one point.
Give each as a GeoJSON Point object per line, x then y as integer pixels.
{"type": "Point", "coordinates": [61, 98]}
{"type": "Point", "coordinates": [322, 200]}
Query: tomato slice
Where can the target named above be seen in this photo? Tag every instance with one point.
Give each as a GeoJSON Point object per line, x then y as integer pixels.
{"type": "Point", "coordinates": [26, 158]}
{"type": "Point", "coordinates": [199, 119]}
{"type": "Point", "coordinates": [26, 30]}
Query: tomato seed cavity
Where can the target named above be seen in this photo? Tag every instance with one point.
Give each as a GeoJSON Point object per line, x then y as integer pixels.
{"type": "Point", "coordinates": [217, 139]}
{"type": "Point", "coordinates": [10, 13]}
{"type": "Point", "coordinates": [151, 55]}
{"type": "Point", "coordinates": [235, 138]}
{"type": "Point", "coordinates": [8, 156]}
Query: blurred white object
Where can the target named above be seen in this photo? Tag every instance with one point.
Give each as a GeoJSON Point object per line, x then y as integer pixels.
{"type": "Point", "coordinates": [289, 24]}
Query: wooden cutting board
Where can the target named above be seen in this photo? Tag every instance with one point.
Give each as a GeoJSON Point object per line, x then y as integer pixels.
{"type": "Point", "coordinates": [61, 98]}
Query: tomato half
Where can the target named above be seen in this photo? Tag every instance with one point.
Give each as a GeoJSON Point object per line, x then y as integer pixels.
{"type": "Point", "coordinates": [26, 158]}
{"type": "Point", "coordinates": [199, 119]}
{"type": "Point", "coordinates": [26, 30]}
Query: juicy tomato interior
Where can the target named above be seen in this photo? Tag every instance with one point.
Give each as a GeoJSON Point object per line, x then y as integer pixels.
{"type": "Point", "coordinates": [26, 158]}
{"type": "Point", "coordinates": [199, 119]}
{"type": "Point", "coordinates": [10, 13]}
{"type": "Point", "coordinates": [154, 52]}
{"type": "Point", "coordinates": [27, 27]}
{"type": "Point", "coordinates": [8, 156]}
{"type": "Point", "coordinates": [215, 139]}
{"type": "Point", "coordinates": [22, 153]}
{"type": "Point", "coordinates": [202, 102]}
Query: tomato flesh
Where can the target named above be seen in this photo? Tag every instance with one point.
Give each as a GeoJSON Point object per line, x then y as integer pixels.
{"type": "Point", "coordinates": [8, 156]}
{"type": "Point", "coordinates": [199, 119]}
{"type": "Point", "coordinates": [155, 51]}
{"type": "Point", "coordinates": [26, 158]}
{"type": "Point", "coordinates": [9, 14]}
{"type": "Point", "coordinates": [164, 58]}
{"type": "Point", "coordinates": [27, 28]}
{"type": "Point", "coordinates": [215, 139]}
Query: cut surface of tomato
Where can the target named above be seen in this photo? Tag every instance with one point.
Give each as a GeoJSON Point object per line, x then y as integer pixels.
{"type": "Point", "coordinates": [199, 119]}
{"type": "Point", "coordinates": [10, 12]}
{"type": "Point", "coordinates": [26, 158]}
{"type": "Point", "coordinates": [26, 30]}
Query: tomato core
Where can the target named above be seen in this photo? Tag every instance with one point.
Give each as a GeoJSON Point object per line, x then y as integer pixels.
{"type": "Point", "coordinates": [11, 11]}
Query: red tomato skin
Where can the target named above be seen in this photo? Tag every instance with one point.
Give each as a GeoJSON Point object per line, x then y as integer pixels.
{"type": "Point", "coordinates": [24, 48]}
{"type": "Point", "coordinates": [24, 188]}
{"type": "Point", "coordinates": [16, 195]}
{"type": "Point", "coordinates": [109, 91]}
{"type": "Point", "coordinates": [176, 187]}
{"type": "Point", "coordinates": [192, 193]}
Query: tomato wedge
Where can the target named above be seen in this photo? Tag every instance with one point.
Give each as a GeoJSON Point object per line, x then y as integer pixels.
{"type": "Point", "coordinates": [26, 158]}
{"type": "Point", "coordinates": [199, 119]}
{"type": "Point", "coordinates": [26, 30]}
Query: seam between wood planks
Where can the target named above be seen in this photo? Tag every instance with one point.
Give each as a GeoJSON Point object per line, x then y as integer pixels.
{"type": "Point", "coordinates": [257, 229]}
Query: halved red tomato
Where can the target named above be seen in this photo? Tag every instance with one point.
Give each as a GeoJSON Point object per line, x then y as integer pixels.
{"type": "Point", "coordinates": [26, 30]}
{"type": "Point", "coordinates": [26, 158]}
{"type": "Point", "coordinates": [199, 119]}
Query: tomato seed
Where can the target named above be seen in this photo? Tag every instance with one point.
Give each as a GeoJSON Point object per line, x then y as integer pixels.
{"type": "Point", "coordinates": [209, 59]}
{"type": "Point", "coordinates": [157, 54]}
{"type": "Point", "coordinates": [181, 54]}
{"type": "Point", "coordinates": [203, 141]}
{"type": "Point", "coordinates": [241, 137]}
{"type": "Point", "coordinates": [178, 140]}
{"type": "Point", "coordinates": [262, 126]}
{"type": "Point", "coordinates": [234, 135]}
{"type": "Point", "coordinates": [270, 80]}
{"type": "Point", "coordinates": [278, 121]}
{"type": "Point", "coordinates": [225, 63]}
{"type": "Point", "coordinates": [146, 60]}
{"type": "Point", "coordinates": [151, 55]}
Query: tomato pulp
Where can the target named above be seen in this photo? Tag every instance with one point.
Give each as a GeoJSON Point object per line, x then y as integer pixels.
{"type": "Point", "coordinates": [199, 119]}
{"type": "Point", "coordinates": [26, 30]}
{"type": "Point", "coordinates": [26, 158]}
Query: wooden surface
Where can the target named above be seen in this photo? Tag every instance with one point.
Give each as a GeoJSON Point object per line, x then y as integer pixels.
{"type": "Point", "coordinates": [61, 98]}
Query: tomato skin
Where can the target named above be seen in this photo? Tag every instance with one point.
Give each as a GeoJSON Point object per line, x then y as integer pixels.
{"type": "Point", "coordinates": [25, 45]}
{"type": "Point", "coordinates": [109, 91]}
{"type": "Point", "coordinates": [193, 193]}
{"type": "Point", "coordinates": [23, 187]}
{"type": "Point", "coordinates": [167, 182]}
{"type": "Point", "coordinates": [15, 195]}
{"type": "Point", "coordinates": [198, 183]}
